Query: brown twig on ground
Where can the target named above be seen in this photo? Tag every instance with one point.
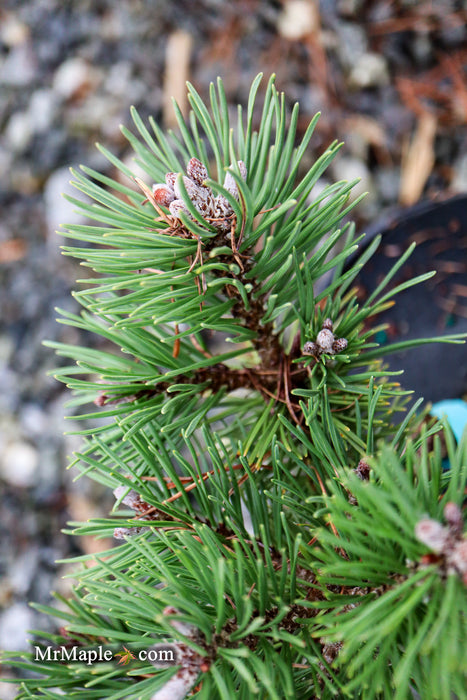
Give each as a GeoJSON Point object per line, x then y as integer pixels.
{"type": "Point", "coordinates": [442, 90]}
{"type": "Point", "coordinates": [418, 161]}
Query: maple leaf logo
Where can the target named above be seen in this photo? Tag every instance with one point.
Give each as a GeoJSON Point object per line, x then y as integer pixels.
{"type": "Point", "coordinates": [126, 655]}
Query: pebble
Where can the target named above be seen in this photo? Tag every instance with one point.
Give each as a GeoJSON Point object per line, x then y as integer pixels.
{"type": "Point", "coordinates": [15, 623]}
{"type": "Point", "coordinates": [9, 393]}
{"type": "Point", "coordinates": [459, 181]}
{"type": "Point", "coordinates": [43, 108]}
{"type": "Point", "coordinates": [6, 350]}
{"type": "Point", "coordinates": [18, 464]}
{"type": "Point", "coordinates": [23, 571]}
{"type": "Point", "coordinates": [352, 43]}
{"type": "Point", "coordinates": [369, 70]}
{"type": "Point", "coordinates": [97, 113]}
{"type": "Point", "coordinates": [75, 77]}
{"type": "Point", "coordinates": [12, 31]}
{"type": "Point", "coordinates": [421, 49]}
{"type": "Point", "coordinates": [33, 420]}
{"type": "Point", "coordinates": [8, 691]}
{"type": "Point", "coordinates": [349, 8]}
{"type": "Point", "coordinates": [19, 68]}
{"type": "Point", "coordinates": [298, 19]}
{"type": "Point", "coordinates": [387, 182]}
{"type": "Point", "coordinates": [6, 159]}
{"type": "Point", "coordinates": [58, 210]}
{"type": "Point", "coordinates": [18, 131]}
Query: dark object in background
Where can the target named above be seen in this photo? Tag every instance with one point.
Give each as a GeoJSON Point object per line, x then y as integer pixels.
{"type": "Point", "coordinates": [435, 307]}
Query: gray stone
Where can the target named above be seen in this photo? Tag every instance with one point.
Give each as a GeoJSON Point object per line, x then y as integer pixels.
{"type": "Point", "coordinates": [388, 184]}
{"type": "Point", "coordinates": [352, 43]}
{"type": "Point", "coordinates": [13, 32]}
{"type": "Point", "coordinates": [18, 465]}
{"type": "Point", "coordinates": [421, 48]}
{"type": "Point", "coordinates": [58, 211]}
{"type": "Point", "coordinates": [23, 571]}
{"type": "Point", "coordinates": [349, 8]}
{"type": "Point", "coordinates": [14, 625]}
{"type": "Point", "coordinates": [33, 420]}
{"type": "Point", "coordinates": [459, 181]}
{"type": "Point", "coordinates": [6, 160]}
{"type": "Point", "coordinates": [298, 19]}
{"type": "Point", "coordinates": [43, 108]}
{"type": "Point", "coordinates": [18, 131]}
{"type": "Point", "coordinates": [73, 77]}
{"type": "Point", "coordinates": [19, 67]}
{"type": "Point", "coordinates": [369, 70]}
{"type": "Point", "coordinates": [8, 691]}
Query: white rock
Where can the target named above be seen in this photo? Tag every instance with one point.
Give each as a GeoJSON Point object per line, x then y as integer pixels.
{"type": "Point", "coordinates": [369, 70]}
{"type": "Point", "coordinates": [23, 571]}
{"type": "Point", "coordinates": [43, 107]}
{"type": "Point", "coordinates": [18, 131]}
{"type": "Point", "coordinates": [352, 43]}
{"type": "Point", "coordinates": [14, 625]}
{"type": "Point", "coordinates": [8, 691]}
{"type": "Point", "coordinates": [73, 76]}
{"type": "Point", "coordinates": [19, 464]}
{"type": "Point", "coordinates": [298, 18]}
{"type": "Point", "coordinates": [97, 111]}
{"type": "Point", "coordinates": [19, 67]}
{"type": "Point", "coordinates": [459, 182]}
{"type": "Point", "coordinates": [6, 162]}
{"type": "Point", "coordinates": [12, 30]}
{"type": "Point", "coordinates": [118, 78]}
{"type": "Point", "coordinates": [7, 347]}
{"type": "Point", "coordinates": [33, 420]}
{"type": "Point", "coordinates": [58, 210]}
{"type": "Point", "coordinates": [349, 7]}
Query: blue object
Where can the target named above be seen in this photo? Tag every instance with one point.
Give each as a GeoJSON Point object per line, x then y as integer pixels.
{"type": "Point", "coordinates": [455, 411]}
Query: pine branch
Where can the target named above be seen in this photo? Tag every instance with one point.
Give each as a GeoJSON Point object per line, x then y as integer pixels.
{"type": "Point", "coordinates": [286, 530]}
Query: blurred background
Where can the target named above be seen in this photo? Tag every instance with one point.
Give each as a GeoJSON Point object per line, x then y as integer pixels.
{"type": "Point", "coordinates": [390, 78]}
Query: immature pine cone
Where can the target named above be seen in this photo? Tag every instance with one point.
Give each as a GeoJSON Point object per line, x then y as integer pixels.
{"type": "Point", "coordinates": [216, 210]}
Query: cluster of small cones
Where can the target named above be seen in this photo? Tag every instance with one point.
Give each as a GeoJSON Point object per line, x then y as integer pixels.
{"type": "Point", "coordinates": [217, 210]}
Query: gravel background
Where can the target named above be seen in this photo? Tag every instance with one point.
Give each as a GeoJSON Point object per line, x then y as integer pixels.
{"type": "Point", "coordinates": [389, 78]}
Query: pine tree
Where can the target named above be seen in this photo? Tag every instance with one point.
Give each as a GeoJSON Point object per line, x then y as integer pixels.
{"type": "Point", "coordinates": [282, 514]}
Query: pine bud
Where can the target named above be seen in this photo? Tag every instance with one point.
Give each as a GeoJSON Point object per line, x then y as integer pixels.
{"type": "Point", "coordinates": [458, 557]}
{"type": "Point", "coordinates": [101, 399]}
{"type": "Point", "coordinates": [191, 188]}
{"type": "Point", "coordinates": [132, 499]}
{"type": "Point", "coordinates": [242, 168]}
{"type": "Point", "coordinates": [310, 349]}
{"type": "Point", "coordinates": [196, 171]}
{"type": "Point", "coordinates": [170, 179]}
{"type": "Point", "coordinates": [363, 470]}
{"type": "Point", "coordinates": [325, 340]}
{"type": "Point", "coordinates": [432, 534]}
{"type": "Point", "coordinates": [229, 181]}
{"type": "Point", "coordinates": [163, 194]}
{"type": "Point", "coordinates": [453, 516]}
{"type": "Point", "coordinates": [177, 206]}
{"type": "Point", "coordinates": [339, 345]}
{"type": "Point", "coordinates": [328, 324]}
